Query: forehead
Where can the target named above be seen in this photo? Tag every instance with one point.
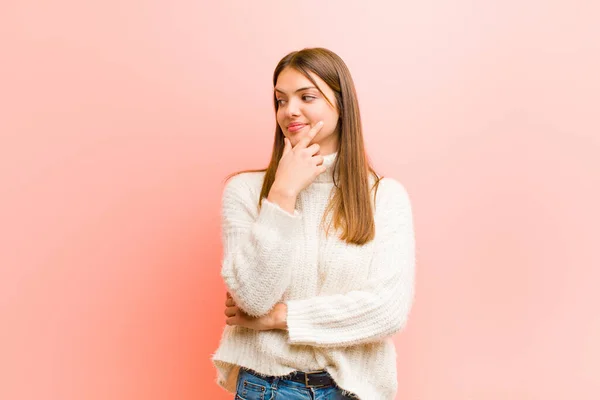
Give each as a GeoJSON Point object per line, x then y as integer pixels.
{"type": "Point", "coordinates": [290, 79]}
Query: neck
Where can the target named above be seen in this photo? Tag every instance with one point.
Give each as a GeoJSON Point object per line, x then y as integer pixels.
{"type": "Point", "coordinates": [329, 162]}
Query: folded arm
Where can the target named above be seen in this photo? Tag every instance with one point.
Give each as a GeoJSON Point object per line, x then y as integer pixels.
{"type": "Point", "coordinates": [381, 307]}
{"type": "Point", "coordinates": [257, 247]}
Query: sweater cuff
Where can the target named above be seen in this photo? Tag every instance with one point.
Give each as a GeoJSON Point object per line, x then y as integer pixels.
{"type": "Point", "coordinates": [273, 216]}
{"type": "Point", "coordinates": [299, 321]}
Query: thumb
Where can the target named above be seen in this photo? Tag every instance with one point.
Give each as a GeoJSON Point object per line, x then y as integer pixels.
{"type": "Point", "coordinates": [287, 147]}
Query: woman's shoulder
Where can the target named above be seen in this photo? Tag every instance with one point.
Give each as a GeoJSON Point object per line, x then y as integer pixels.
{"type": "Point", "coordinates": [391, 193]}
{"type": "Point", "coordinates": [245, 178]}
{"type": "Point", "coordinates": [392, 186]}
{"type": "Point", "coordinates": [244, 185]}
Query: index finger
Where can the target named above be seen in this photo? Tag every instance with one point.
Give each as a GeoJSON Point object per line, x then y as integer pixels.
{"type": "Point", "coordinates": [305, 141]}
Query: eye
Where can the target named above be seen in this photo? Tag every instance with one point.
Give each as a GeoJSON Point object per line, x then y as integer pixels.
{"type": "Point", "coordinates": [310, 98]}
{"type": "Point", "coordinates": [280, 101]}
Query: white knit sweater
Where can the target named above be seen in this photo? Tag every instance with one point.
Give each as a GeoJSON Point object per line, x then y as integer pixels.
{"type": "Point", "coordinates": [344, 301]}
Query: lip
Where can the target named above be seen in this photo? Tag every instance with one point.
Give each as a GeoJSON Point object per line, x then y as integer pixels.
{"type": "Point", "coordinates": [295, 127]}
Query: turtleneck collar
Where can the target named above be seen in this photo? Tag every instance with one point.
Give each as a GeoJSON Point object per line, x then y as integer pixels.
{"type": "Point", "coordinates": [328, 161]}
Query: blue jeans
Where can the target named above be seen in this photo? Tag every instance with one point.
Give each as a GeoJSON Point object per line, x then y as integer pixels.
{"type": "Point", "coordinates": [254, 387]}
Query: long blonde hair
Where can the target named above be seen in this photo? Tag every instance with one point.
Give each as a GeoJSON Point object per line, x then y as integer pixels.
{"type": "Point", "coordinates": [353, 211]}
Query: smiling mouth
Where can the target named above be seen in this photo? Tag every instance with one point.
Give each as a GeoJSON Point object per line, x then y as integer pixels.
{"type": "Point", "coordinates": [296, 128]}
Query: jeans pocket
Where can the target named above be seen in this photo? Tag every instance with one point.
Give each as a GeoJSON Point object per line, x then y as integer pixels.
{"type": "Point", "coordinates": [250, 387]}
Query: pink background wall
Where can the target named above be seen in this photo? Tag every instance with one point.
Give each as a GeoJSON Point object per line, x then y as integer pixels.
{"type": "Point", "coordinates": [120, 119]}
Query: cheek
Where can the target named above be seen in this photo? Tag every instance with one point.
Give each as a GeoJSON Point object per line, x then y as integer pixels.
{"type": "Point", "coordinates": [330, 119]}
{"type": "Point", "coordinates": [326, 114]}
{"type": "Point", "coordinates": [279, 118]}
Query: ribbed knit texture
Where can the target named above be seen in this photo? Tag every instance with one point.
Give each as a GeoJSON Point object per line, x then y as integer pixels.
{"type": "Point", "coordinates": [344, 301]}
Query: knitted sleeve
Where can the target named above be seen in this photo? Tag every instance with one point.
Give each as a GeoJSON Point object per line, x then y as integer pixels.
{"type": "Point", "coordinates": [381, 307]}
{"type": "Point", "coordinates": [257, 247]}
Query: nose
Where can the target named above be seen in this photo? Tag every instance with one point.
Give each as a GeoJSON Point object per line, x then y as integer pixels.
{"type": "Point", "coordinates": [292, 108]}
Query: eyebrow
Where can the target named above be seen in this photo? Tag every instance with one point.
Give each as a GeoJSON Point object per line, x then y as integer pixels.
{"type": "Point", "coordinates": [299, 90]}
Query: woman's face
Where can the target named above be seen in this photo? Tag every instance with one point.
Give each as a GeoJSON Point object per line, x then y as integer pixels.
{"type": "Point", "coordinates": [302, 104]}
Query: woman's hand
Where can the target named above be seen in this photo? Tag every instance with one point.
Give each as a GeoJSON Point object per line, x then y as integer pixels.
{"type": "Point", "coordinates": [276, 319]}
{"type": "Point", "coordinates": [299, 165]}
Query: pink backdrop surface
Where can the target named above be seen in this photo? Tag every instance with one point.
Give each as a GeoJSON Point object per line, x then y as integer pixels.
{"type": "Point", "coordinates": [120, 119]}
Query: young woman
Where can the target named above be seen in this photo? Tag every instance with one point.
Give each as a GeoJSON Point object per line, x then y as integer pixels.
{"type": "Point", "coordinates": [319, 251]}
